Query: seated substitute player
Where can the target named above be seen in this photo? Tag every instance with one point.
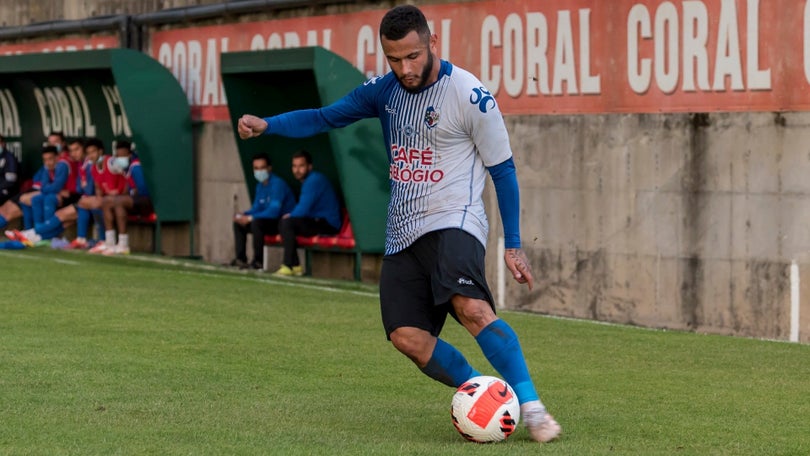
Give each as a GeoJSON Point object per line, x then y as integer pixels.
{"type": "Point", "coordinates": [273, 198]}
{"type": "Point", "coordinates": [20, 205]}
{"type": "Point", "coordinates": [9, 177]}
{"type": "Point", "coordinates": [317, 212]}
{"type": "Point", "coordinates": [64, 188]}
{"type": "Point", "coordinates": [116, 207]}
{"type": "Point", "coordinates": [81, 211]}
{"type": "Point", "coordinates": [441, 125]}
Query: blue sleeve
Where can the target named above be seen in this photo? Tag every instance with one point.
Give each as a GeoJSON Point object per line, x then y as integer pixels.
{"type": "Point", "coordinates": [90, 188]}
{"type": "Point", "coordinates": [309, 191]}
{"type": "Point", "coordinates": [140, 181]}
{"type": "Point", "coordinates": [255, 206]}
{"type": "Point", "coordinates": [59, 178]}
{"type": "Point", "coordinates": [506, 187]}
{"type": "Point", "coordinates": [273, 208]}
{"type": "Point", "coordinates": [358, 104]}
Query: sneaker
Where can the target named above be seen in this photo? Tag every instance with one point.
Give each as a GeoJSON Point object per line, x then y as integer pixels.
{"type": "Point", "coordinates": [77, 244]}
{"type": "Point", "coordinates": [11, 235]}
{"type": "Point", "coordinates": [237, 263]}
{"type": "Point", "coordinates": [541, 425]}
{"type": "Point", "coordinates": [117, 250]}
{"type": "Point", "coordinates": [19, 236]}
{"type": "Point", "coordinates": [287, 271]}
{"type": "Point", "coordinates": [60, 243]}
{"type": "Point", "coordinates": [99, 248]}
{"type": "Point", "coordinates": [256, 265]}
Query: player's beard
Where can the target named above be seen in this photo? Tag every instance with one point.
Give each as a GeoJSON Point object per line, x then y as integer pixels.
{"type": "Point", "coordinates": [422, 78]}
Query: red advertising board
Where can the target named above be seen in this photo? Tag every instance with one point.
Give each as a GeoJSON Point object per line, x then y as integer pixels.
{"type": "Point", "coordinates": [555, 56]}
{"type": "Point", "coordinates": [61, 45]}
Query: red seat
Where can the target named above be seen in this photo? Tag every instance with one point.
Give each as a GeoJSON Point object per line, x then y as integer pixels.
{"type": "Point", "coordinates": [149, 218]}
{"type": "Point", "coordinates": [344, 239]}
{"type": "Point", "coordinates": [272, 239]}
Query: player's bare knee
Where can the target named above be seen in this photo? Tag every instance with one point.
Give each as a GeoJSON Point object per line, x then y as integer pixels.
{"type": "Point", "coordinates": [413, 343]}
{"type": "Point", "coordinates": [474, 314]}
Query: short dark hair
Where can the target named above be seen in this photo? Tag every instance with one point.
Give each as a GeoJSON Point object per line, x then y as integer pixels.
{"type": "Point", "coordinates": [57, 133]}
{"type": "Point", "coordinates": [76, 140]}
{"type": "Point", "coordinates": [303, 153]}
{"type": "Point", "coordinates": [123, 144]}
{"type": "Point", "coordinates": [402, 20]}
{"type": "Point", "coordinates": [95, 142]}
{"type": "Point", "coordinates": [263, 156]}
{"type": "Point", "coordinates": [49, 149]}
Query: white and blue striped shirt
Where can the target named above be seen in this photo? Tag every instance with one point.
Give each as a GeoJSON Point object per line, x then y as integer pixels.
{"type": "Point", "coordinates": [440, 142]}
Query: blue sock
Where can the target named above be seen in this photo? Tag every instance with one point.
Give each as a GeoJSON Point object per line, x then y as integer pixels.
{"type": "Point", "coordinates": [50, 230]}
{"type": "Point", "coordinates": [500, 345]}
{"type": "Point", "coordinates": [3, 222]}
{"type": "Point", "coordinates": [83, 222]}
{"type": "Point", "coordinates": [47, 226]}
{"type": "Point", "coordinates": [37, 208]}
{"type": "Point", "coordinates": [28, 216]}
{"type": "Point", "coordinates": [447, 365]}
{"type": "Point", "coordinates": [98, 220]}
{"type": "Point", "coordinates": [49, 204]}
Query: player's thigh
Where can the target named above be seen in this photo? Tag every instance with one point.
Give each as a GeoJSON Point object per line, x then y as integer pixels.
{"type": "Point", "coordinates": [406, 298]}
{"type": "Point", "coordinates": [90, 202]}
{"type": "Point", "coordinates": [460, 268]}
{"type": "Point", "coordinates": [26, 197]}
{"type": "Point", "coordinates": [124, 201]}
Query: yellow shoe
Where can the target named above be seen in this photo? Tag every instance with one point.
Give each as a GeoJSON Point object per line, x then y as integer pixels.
{"type": "Point", "coordinates": [297, 271]}
{"type": "Point", "coordinates": [284, 270]}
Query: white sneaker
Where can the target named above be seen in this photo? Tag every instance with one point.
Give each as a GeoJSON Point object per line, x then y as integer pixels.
{"type": "Point", "coordinates": [117, 250]}
{"type": "Point", "coordinates": [101, 247]}
{"type": "Point", "coordinates": [541, 425]}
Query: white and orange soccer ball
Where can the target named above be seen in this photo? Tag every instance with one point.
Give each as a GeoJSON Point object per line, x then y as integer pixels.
{"type": "Point", "coordinates": [485, 409]}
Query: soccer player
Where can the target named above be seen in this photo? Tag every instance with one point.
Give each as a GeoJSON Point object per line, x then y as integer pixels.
{"type": "Point", "coordinates": [116, 207]}
{"type": "Point", "coordinates": [9, 179]}
{"type": "Point", "coordinates": [63, 190]}
{"type": "Point", "coordinates": [20, 205]}
{"type": "Point", "coordinates": [273, 198]}
{"type": "Point", "coordinates": [317, 212]}
{"type": "Point", "coordinates": [443, 132]}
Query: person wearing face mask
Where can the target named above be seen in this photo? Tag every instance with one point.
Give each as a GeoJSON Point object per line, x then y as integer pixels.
{"type": "Point", "coordinates": [9, 178]}
{"type": "Point", "coordinates": [273, 198]}
{"type": "Point", "coordinates": [117, 206]}
{"type": "Point", "coordinates": [87, 207]}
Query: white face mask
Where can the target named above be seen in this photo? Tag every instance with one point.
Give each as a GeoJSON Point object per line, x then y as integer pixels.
{"type": "Point", "coordinates": [261, 175]}
{"type": "Point", "coordinates": [121, 162]}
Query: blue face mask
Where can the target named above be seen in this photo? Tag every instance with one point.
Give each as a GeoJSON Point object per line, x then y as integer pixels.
{"type": "Point", "coordinates": [261, 175]}
{"type": "Point", "coordinates": [121, 162]}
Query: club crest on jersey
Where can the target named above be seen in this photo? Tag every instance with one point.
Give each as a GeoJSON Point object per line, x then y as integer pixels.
{"type": "Point", "coordinates": [482, 98]}
{"type": "Point", "coordinates": [431, 117]}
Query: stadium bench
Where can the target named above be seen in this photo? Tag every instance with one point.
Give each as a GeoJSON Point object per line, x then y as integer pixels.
{"type": "Point", "coordinates": [148, 219]}
{"type": "Point", "coordinates": [342, 242]}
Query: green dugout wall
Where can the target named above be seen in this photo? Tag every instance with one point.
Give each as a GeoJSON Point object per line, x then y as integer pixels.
{"type": "Point", "coordinates": [266, 83]}
{"type": "Point", "coordinates": [113, 94]}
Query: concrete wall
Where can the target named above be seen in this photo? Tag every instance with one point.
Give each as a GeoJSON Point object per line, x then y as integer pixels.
{"type": "Point", "coordinates": [672, 221]}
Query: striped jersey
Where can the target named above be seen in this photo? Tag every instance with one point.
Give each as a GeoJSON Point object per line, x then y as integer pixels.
{"type": "Point", "coordinates": [439, 142]}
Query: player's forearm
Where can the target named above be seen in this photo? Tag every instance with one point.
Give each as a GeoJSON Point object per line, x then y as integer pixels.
{"type": "Point", "coordinates": [297, 124]}
{"type": "Point", "coordinates": [506, 188]}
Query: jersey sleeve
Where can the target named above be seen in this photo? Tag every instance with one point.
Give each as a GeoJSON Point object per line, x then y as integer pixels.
{"type": "Point", "coordinates": [484, 122]}
{"type": "Point", "coordinates": [59, 179]}
{"type": "Point", "coordinates": [357, 104]}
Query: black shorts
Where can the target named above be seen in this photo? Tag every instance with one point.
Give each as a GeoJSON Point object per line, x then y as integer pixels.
{"type": "Point", "coordinates": [73, 198]}
{"type": "Point", "coordinates": [142, 205]}
{"type": "Point", "coordinates": [416, 284]}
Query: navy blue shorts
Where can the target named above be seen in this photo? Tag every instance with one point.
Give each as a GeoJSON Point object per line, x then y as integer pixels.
{"type": "Point", "coordinates": [416, 284]}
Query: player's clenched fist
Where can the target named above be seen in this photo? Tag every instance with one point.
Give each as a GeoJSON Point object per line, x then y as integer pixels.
{"type": "Point", "coordinates": [250, 126]}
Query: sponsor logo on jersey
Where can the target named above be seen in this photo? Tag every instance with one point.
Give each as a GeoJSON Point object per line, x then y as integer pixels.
{"type": "Point", "coordinates": [463, 281]}
{"type": "Point", "coordinates": [373, 80]}
{"type": "Point", "coordinates": [431, 117]}
{"type": "Point", "coordinates": [483, 99]}
{"type": "Point", "coordinates": [414, 165]}
{"type": "Point", "coordinates": [390, 110]}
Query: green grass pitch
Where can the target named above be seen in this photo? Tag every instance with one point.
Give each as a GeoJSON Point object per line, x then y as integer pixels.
{"type": "Point", "coordinates": [103, 356]}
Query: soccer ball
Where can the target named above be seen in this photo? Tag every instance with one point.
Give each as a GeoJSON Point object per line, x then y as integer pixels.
{"type": "Point", "coordinates": [485, 409]}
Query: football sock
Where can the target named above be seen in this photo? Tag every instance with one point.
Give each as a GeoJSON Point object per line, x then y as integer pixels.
{"type": "Point", "coordinates": [98, 220]}
{"type": "Point", "coordinates": [109, 238]}
{"type": "Point", "coordinates": [3, 222]}
{"type": "Point", "coordinates": [447, 365]}
{"type": "Point", "coordinates": [36, 208]}
{"type": "Point", "coordinates": [48, 225]}
{"type": "Point", "coordinates": [502, 349]}
{"type": "Point", "coordinates": [28, 216]}
{"type": "Point", "coordinates": [52, 230]}
{"type": "Point", "coordinates": [49, 204]}
{"type": "Point", "coordinates": [123, 240]}
{"type": "Point", "coordinates": [83, 222]}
